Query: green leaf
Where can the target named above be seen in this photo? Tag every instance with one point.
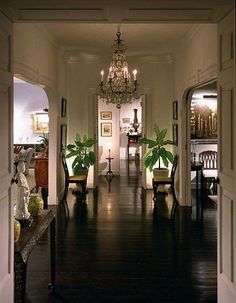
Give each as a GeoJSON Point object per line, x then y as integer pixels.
{"type": "Point", "coordinates": [166, 142]}
{"type": "Point", "coordinates": [77, 137]}
{"type": "Point", "coordinates": [147, 153]}
{"type": "Point", "coordinates": [90, 142]}
{"type": "Point", "coordinates": [70, 146]}
{"type": "Point", "coordinates": [92, 157]}
{"type": "Point", "coordinates": [165, 162]}
{"type": "Point", "coordinates": [79, 143]}
{"type": "Point", "coordinates": [72, 154]}
{"type": "Point", "coordinates": [169, 156]}
{"type": "Point", "coordinates": [149, 142]}
{"type": "Point", "coordinates": [161, 136]}
{"type": "Point", "coordinates": [147, 161]}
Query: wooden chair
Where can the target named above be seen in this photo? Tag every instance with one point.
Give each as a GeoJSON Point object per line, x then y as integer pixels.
{"type": "Point", "coordinates": [156, 181]}
{"type": "Point", "coordinates": [82, 180]}
{"type": "Point", "coordinates": [209, 160]}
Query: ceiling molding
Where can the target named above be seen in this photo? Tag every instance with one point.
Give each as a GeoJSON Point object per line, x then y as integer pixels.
{"type": "Point", "coordinates": [122, 11]}
{"type": "Point", "coordinates": [173, 15]}
{"type": "Point", "coordinates": [75, 56]}
{"type": "Point", "coordinates": [65, 14]}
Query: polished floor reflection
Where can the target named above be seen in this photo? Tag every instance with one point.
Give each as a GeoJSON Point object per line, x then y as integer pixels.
{"type": "Point", "coordinates": [117, 246]}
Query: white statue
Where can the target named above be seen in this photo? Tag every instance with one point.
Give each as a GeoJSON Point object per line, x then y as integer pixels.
{"type": "Point", "coordinates": [23, 193]}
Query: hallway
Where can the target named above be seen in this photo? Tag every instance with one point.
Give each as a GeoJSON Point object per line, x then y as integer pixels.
{"type": "Point", "coordinates": [117, 247]}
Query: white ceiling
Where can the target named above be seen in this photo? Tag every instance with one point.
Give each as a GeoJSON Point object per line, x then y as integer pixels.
{"type": "Point", "coordinates": [140, 39]}
{"type": "Point", "coordinates": [148, 27]}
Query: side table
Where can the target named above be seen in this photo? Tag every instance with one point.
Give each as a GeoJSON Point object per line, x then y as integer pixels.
{"type": "Point", "coordinates": [27, 241]}
{"type": "Point", "coordinates": [109, 173]}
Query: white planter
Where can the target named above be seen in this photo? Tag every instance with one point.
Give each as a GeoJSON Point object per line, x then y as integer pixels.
{"type": "Point", "coordinates": [160, 172]}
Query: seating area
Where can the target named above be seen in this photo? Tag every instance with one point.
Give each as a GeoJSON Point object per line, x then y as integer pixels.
{"type": "Point", "coordinates": [170, 180]}
{"type": "Point", "coordinates": [79, 180]}
{"type": "Point", "coordinates": [209, 160]}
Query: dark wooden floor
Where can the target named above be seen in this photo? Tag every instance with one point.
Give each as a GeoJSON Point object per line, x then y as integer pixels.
{"type": "Point", "coordinates": [118, 247]}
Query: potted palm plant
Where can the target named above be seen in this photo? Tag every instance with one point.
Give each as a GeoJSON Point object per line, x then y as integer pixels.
{"type": "Point", "coordinates": [157, 151]}
{"type": "Point", "coordinates": [44, 143]}
{"type": "Point", "coordinates": [83, 154]}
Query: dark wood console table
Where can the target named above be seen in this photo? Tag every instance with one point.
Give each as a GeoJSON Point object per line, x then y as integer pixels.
{"type": "Point", "coordinates": [41, 177]}
{"type": "Point", "coordinates": [28, 240]}
{"type": "Point", "coordinates": [41, 173]}
{"type": "Point", "coordinates": [133, 140]}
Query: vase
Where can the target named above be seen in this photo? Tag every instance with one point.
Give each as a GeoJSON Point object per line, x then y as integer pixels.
{"type": "Point", "coordinates": [36, 204]}
{"type": "Point", "coordinates": [17, 230]}
{"type": "Point", "coordinates": [135, 123]}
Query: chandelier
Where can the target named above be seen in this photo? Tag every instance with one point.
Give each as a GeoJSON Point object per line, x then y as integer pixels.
{"type": "Point", "coordinates": [120, 87]}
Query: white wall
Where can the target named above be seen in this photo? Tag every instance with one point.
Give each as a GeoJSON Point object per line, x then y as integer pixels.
{"type": "Point", "coordinates": [36, 59]}
{"type": "Point", "coordinates": [195, 63]}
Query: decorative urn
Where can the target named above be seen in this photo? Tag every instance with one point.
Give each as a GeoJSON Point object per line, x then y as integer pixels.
{"type": "Point", "coordinates": [17, 230]}
{"type": "Point", "coordinates": [35, 206]}
{"type": "Point", "coordinates": [135, 123]}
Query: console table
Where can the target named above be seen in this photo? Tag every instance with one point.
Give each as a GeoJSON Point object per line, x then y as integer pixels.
{"type": "Point", "coordinates": [41, 177]}
{"type": "Point", "coordinates": [27, 241]}
{"type": "Point", "coordinates": [41, 173]}
{"type": "Point", "coordinates": [133, 140]}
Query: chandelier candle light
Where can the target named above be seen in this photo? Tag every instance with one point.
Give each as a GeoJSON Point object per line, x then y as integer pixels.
{"type": "Point", "coordinates": [119, 87]}
{"type": "Point", "coordinates": [109, 149]}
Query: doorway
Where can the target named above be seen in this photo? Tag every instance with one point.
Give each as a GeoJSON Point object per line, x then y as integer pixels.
{"type": "Point", "coordinates": [203, 145]}
{"type": "Point", "coordinates": [114, 127]}
{"type": "Point", "coordinates": [31, 128]}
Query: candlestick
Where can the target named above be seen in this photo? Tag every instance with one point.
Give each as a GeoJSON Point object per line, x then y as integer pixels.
{"type": "Point", "coordinates": [109, 149]}
{"type": "Point", "coordinates": [135, 74]}
{"type": "Point", "coordinates": [102, 73]}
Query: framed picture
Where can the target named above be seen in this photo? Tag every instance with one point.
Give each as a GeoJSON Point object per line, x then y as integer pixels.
{"type": "Point", "coordinates": [126, 120]}
{"type": "Point", "coordinates": [63, 137]}
{"type": "Point", "coordinates": [106, 115]}
{"type": "Point", "coordinates": [63, 107]}
{"type": "Point", "coordinates": [41, 121]}
{"type": "Point", "coordinates": [175, 110]}
{"type": "Point", "coordinates": [106, 129]}
{"type": "Point", "coordinates": [175, 133]}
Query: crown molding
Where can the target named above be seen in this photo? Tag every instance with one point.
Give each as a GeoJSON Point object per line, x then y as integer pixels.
{"type": "Point", "coordinates": [76, 56]}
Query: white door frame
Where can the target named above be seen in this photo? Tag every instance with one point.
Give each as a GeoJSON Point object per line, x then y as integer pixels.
{"type": "Point", "coordinates": [187, 134]}
{"type": "Point", "coordinates": [6, 162]}
{"type": "Point", "coordinates": [26, 75]}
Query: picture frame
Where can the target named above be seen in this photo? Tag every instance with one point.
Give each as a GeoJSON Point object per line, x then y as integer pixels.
{"type": "Point", "coordinates": [63, 107]}
{"type": "Point", "coordinates": [106, 115]}
{"type": "Point", "coordinates": [175, 110]}
{"type": "Point", "coordinates": [126, 120]}
{"type": "Point", "coordinates": [41, 123]}
{"type": "Point", "coordinates": [106, 129]}
{"type": "Point", "coordinates": [63, 137]}
{"type": "Point", "coordinates": [175, 133]}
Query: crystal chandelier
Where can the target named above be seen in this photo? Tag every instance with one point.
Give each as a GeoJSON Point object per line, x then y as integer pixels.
{"type": "Point", "coordinates": [119, 88]}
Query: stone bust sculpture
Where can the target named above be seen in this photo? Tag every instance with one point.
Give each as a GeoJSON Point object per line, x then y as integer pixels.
{"type": "Point", "coordinates": [23, 194]}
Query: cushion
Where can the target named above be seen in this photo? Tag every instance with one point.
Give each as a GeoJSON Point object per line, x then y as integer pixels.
{"type": "Point", "coordinates": [210, 173]}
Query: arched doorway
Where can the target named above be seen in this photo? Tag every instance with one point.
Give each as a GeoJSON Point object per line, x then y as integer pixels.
{"type": "Point", "coordinates": [201, 138]}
